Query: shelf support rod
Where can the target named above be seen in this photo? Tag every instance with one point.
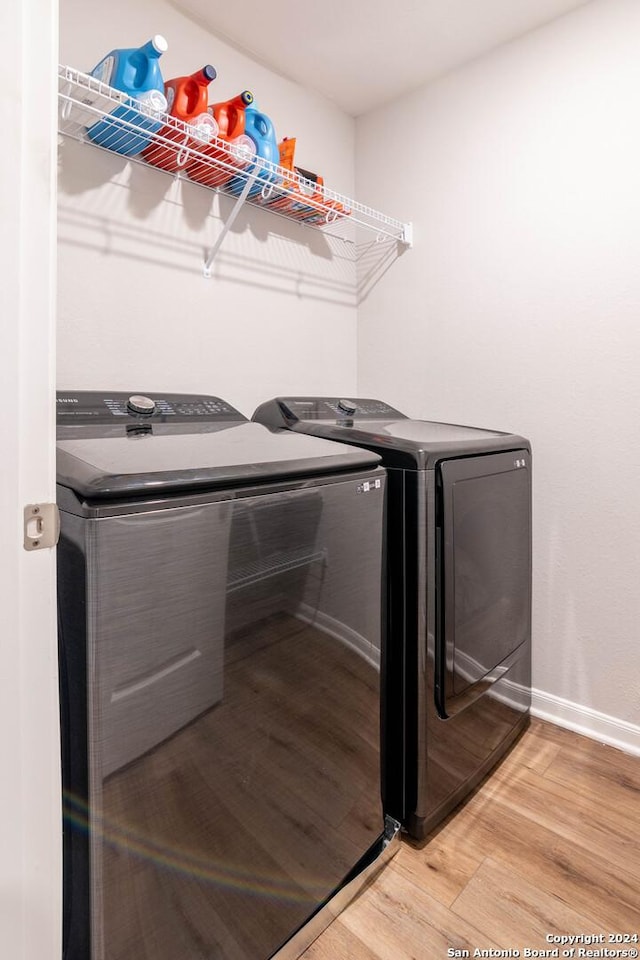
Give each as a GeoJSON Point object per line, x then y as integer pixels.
{"type": "Point", "coordinates": [227, 226]}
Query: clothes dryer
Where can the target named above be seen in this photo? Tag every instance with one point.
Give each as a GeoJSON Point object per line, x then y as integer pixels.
{"type": "Point", "coordinates": [220, 645]}
{"type": "Point", "coordinates": [459, 593]}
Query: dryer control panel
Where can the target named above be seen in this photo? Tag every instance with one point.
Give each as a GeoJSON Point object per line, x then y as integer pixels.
{"type": "Point", "coordinates": [336, 408]}
{"type": "Point", "coordinates": [89, 406]}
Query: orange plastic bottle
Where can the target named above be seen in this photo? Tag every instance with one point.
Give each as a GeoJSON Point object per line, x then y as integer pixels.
{"type": "Point", "coordinates": [287, 150]}
{"type": "Point", "coordinates": [231, 150]}
{"type": "Point", "coordinates": [303, 200]}
{"type": "Point", "coordinates": [187, 103]}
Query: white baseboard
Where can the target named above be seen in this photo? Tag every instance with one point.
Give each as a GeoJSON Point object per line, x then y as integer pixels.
{"type": "Point", "coordinates": [590, 723]}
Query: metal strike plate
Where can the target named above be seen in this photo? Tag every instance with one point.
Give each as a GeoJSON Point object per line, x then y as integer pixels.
{"type": "Point", "coordinates": [41, 525]}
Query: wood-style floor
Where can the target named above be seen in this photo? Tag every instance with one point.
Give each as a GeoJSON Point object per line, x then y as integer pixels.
{"type": "Point", "coordinates": [549, 844]}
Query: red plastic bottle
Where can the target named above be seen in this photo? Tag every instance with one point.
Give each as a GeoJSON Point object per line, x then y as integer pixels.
{"type": "Point", "coordinates": [230, 114]}
{"type": "Point", "coordinates": [187, 103]}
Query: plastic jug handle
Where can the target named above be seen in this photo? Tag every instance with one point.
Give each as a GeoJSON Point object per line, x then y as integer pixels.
{"type": "Point", "coordinates": [232, 120]}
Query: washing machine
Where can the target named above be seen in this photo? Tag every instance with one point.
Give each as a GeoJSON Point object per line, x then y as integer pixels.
{"type": "Point", "coordinates": [220, 637]}
{"type": "Point", "coordinates": [459, 593]}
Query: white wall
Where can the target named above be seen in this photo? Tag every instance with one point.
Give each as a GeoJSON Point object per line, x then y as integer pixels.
{"type": "Point", "coordinates": [135, 312]}
{"type": "Point", "coordinates": [519, 308]}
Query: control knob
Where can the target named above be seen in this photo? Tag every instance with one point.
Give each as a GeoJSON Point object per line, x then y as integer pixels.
{"type": "Point", "coordinates": [144, 406]}
{"type": "Point", "coordinates": [347, 407]}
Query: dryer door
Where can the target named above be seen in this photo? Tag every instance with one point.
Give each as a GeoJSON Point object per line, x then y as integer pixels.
{"type": "Point", "coordinates": [484, 566]}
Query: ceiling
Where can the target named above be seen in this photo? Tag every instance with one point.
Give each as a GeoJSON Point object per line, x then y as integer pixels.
{"type": "Point", "coordinates": [362, 53]}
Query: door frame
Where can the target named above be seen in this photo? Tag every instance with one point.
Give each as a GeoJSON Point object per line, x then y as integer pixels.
{"type": "Point", "coordinates": [30, 801]}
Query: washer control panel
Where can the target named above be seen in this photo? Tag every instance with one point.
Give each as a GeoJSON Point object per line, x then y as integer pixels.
{"type": "Point", "coordinates": [89, 406]}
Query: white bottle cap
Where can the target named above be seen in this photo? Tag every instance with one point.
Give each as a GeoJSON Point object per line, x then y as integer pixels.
{"type": "Point", "coordinates": [152, 103]}
{"type": "Point", "coordinates": [159, 43]}
{"type": "Point", "coordinates": [242, 148]}
{"type": "Point", "coordinates": [203, 128]}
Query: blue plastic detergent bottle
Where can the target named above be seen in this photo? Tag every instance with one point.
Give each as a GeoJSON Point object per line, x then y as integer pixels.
{"type": "Point", "coordinates": [136, 72]}
{"type": "Point", "coordinates": [260, 129]}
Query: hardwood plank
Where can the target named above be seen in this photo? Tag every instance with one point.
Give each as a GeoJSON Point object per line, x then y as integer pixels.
{"type": "Point", "coordinates": [534, 751]}
{"type": "Point", "coordinates": [586, 746]}
{"type": "Point", "coordinates": [585, 820]}
{"type": "Point", "coordinates": [396, 918]}
{"type": "Point", "coordinates": [338, 943]}
{"type": "Point", "coordinates": [498, 898]}
{"type": "Point", "coordinates": [439, 867]}
{"type": "Point", "coordinates": [598, 770]}
{"type": "Point", "coordinates": [585, 879]}
{"type": "Point", "coordinates": [548, 842]}
{"type": "Point", "coordinates": [555, 734]}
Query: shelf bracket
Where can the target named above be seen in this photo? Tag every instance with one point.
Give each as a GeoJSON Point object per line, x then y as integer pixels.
{"type": "Point", "coordinates": [251, 179]}
{"type": "Point", "coordinates": [407, 234]}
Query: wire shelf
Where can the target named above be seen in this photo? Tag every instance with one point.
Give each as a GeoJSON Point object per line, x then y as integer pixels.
{"type": "Point", "coordinates": [92, 112]}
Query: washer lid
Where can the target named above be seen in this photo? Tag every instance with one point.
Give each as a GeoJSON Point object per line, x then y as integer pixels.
{"type": "Point", "coordinates": [226, 454]}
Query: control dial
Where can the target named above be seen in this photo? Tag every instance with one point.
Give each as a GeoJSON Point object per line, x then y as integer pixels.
{"type": "Point", "coordinates": [141, 405]}
{"type": "Point", "coordinates": [347, 407]}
